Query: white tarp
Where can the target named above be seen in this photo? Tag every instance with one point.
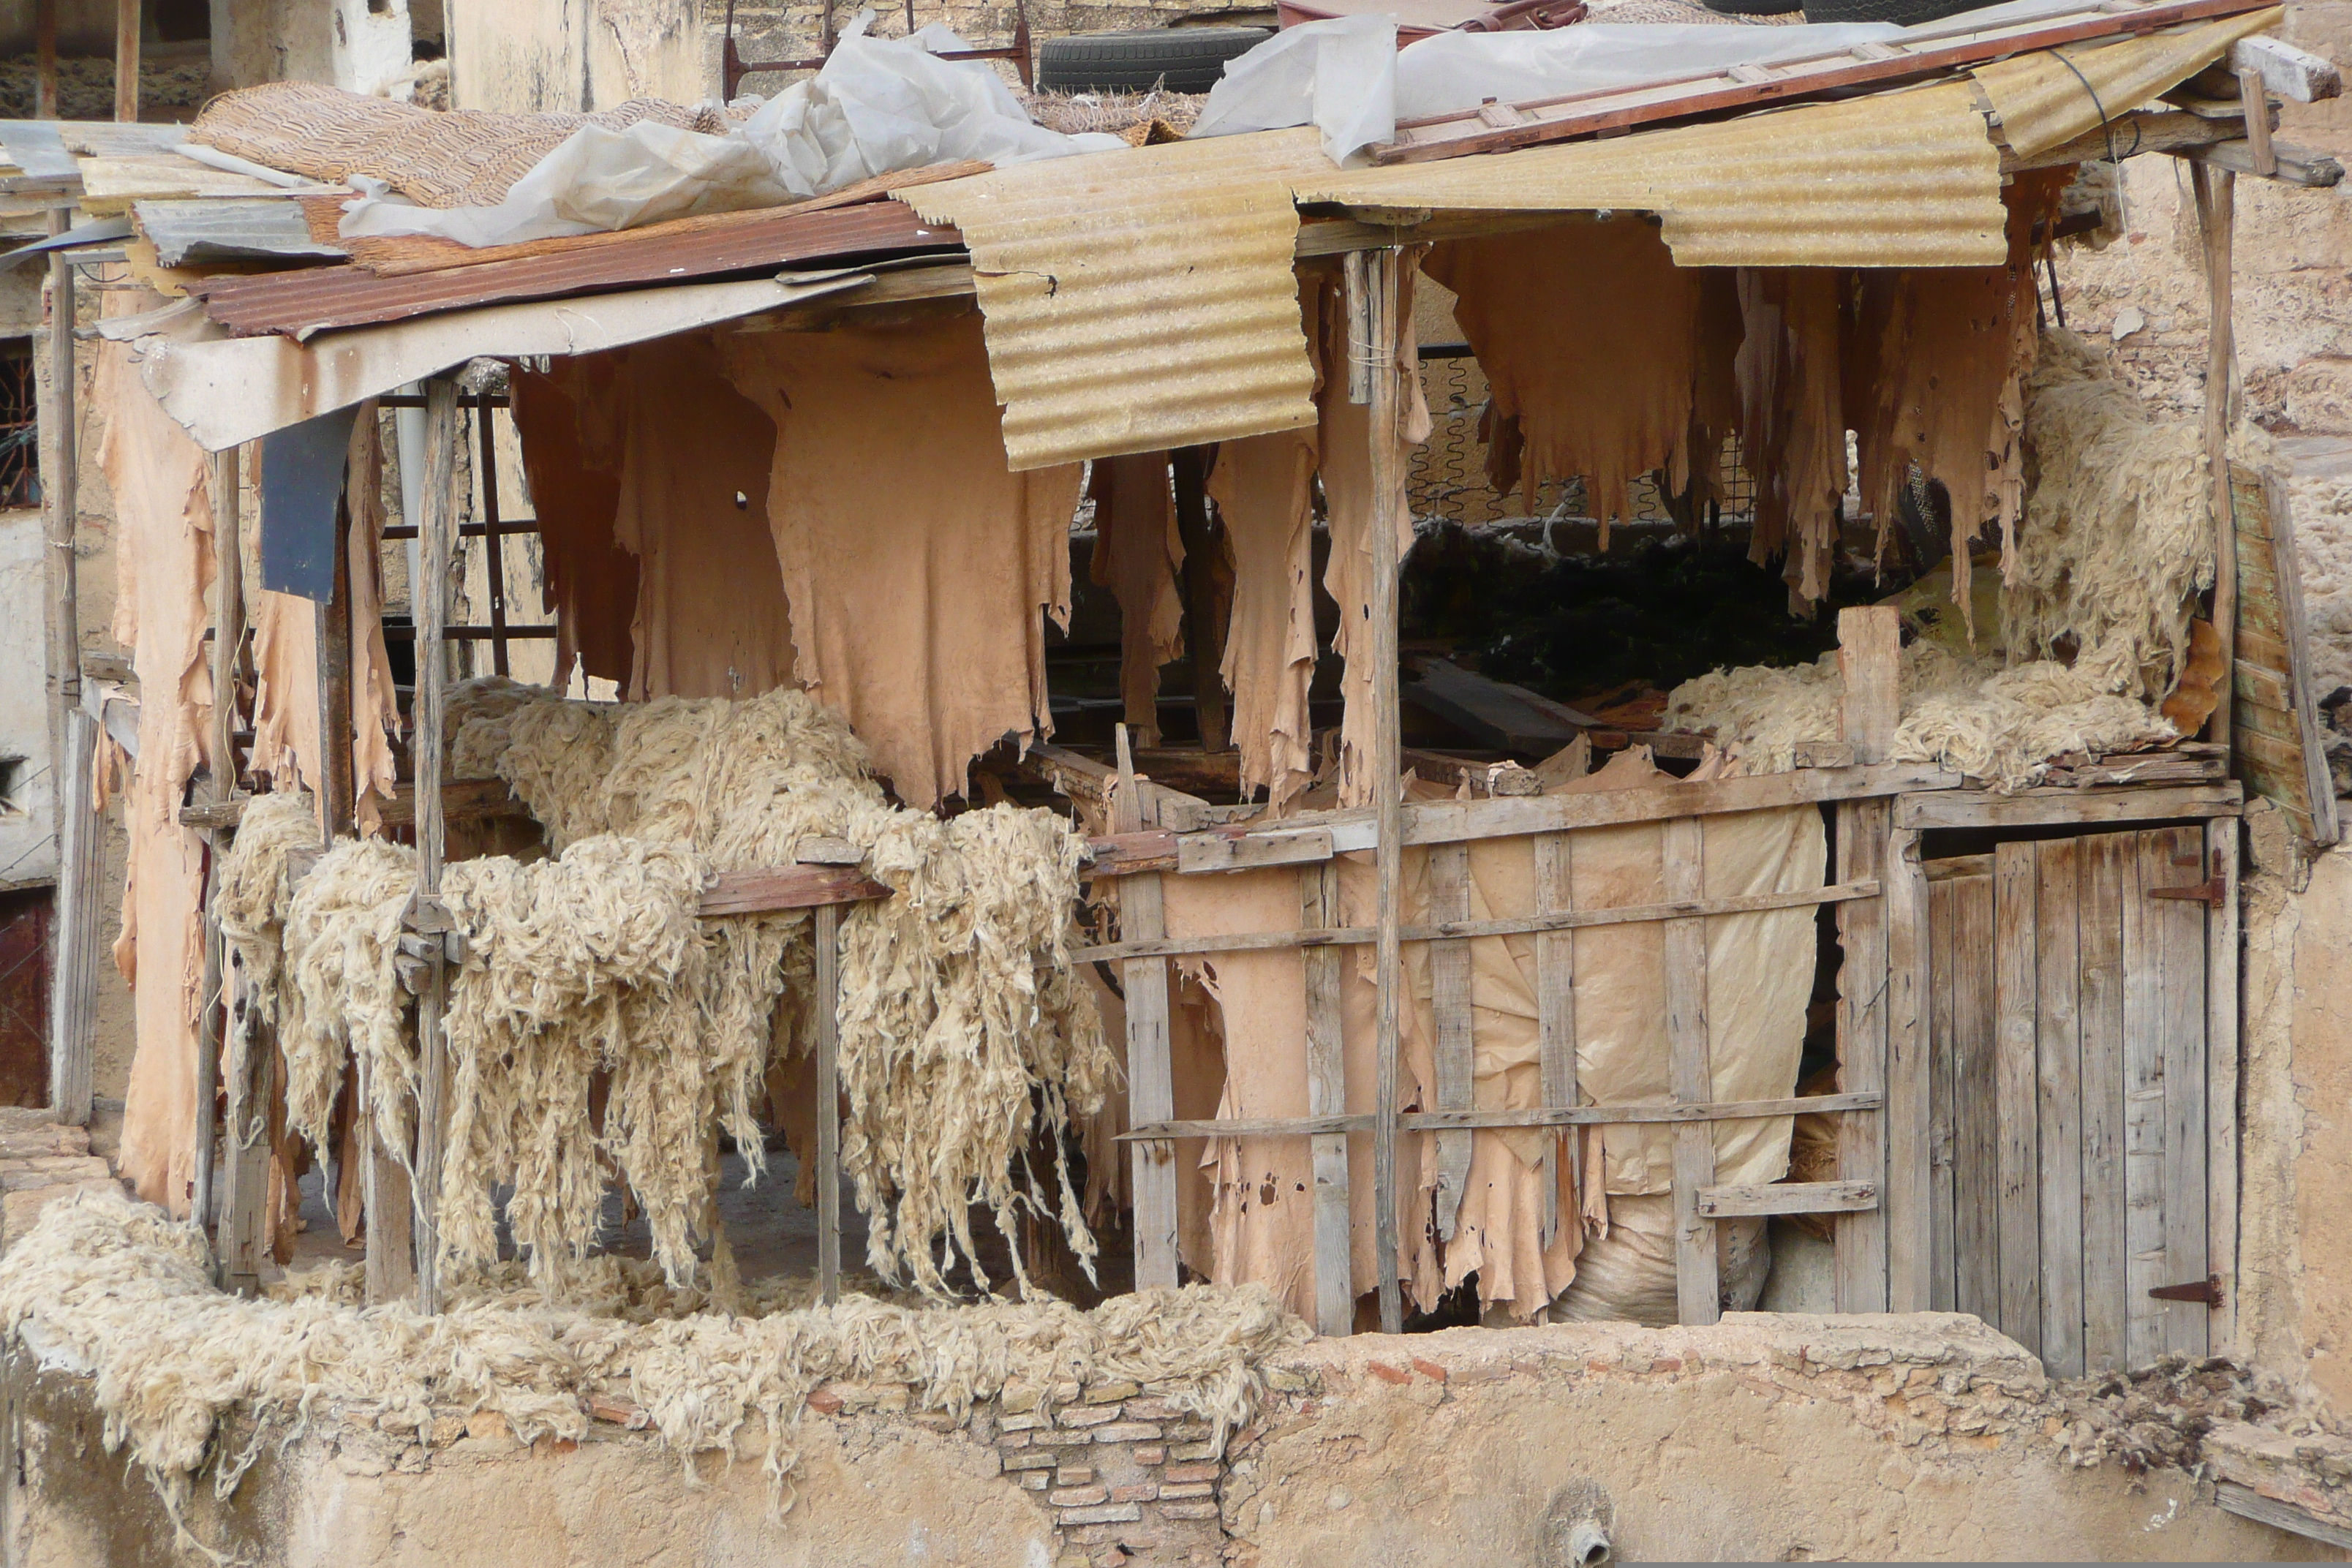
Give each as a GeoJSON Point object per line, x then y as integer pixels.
{"type": "Point", "coordinates": [1330, 74]}
{"type": "Point", "coordinates": [880, 105]}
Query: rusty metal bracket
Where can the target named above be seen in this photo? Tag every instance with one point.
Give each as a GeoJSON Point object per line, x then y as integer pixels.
{"type": "Point", "coordinates": [2213, 892]}
{"type": "Point", "coordinates": [2207, 1290]}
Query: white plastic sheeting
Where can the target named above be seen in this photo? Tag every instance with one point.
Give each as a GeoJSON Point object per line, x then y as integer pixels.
{"type": "Point", "coordinates": [1339, 76]}
{"type": "Point", "coordinates": [879, 105]}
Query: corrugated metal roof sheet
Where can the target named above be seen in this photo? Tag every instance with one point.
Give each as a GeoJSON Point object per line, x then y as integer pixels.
{"type": "Point", "coordinates": [2049, 98]}
{"type": "Point", "coordinates": [319, 298]}
{"type": "Point", "coordinates": [1143, 299]}
{"type": "Point", "coordinates": [228, 229]}
{"type": "Point", "coordinates": [1902, 179]}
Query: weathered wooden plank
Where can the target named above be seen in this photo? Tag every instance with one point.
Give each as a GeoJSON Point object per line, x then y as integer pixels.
{"type": "Point", "coordinates": [2215, 192]}
{"type": "Point", "coordinates": [2248, 1503]}
{"type": "Point", "coordinates": [1863, 830]}
{"type": "Point", "coordinates": [1976, 1103]}
{"type": "Point", "coordinates": [2312, 740]}
{"type": "Point", "coordinates": [2034, 808]}
{"type": "Point", "coordinates": [2016, 987]}
{"type": "Point", "coordinates": [1327, 1095]}
{"type": "Point", "coordinates": [1870, 654]}
{"type": "Point", "coordinates": [1786, 1197]}
{"type": "Point", "coordinates": [827, 937]}
{"type": "Point", "coordinates": [2144, 1156]}
{"type": "Point", "coordinates": [73, 979]}
{"type": "Point", "coordinates": [2058, 1075]}
{"type": "Point", "coordinates": [1910, 1174]}
{"type": "Point", "coordinates": [1449, 1006]}
{"type": "Point", "coordinates": [2222, 937]}
{"type": "Point", "coordinates": [1553, 1116]}
{"type": "Point", "coordinates": [1518, 925]}
{"type": "Point", "coordinates": [1943, 901]}
{"type": "Point", "coordinates": [1151, 1073]}
{"type": "Point", "coordinates": [1555, 1005]}
{"type": "Point", "coordinates": [1698, 1291]}
{"type": "Point", "coordinates": [1199, 852]}
{"type": "Point", "coordinates": [2098, 920]}
{"type": "Point", "coordinates": [787, 888]}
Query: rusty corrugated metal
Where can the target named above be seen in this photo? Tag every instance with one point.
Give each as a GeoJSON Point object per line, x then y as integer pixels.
{"type": "Point", "coordinates": [1899, 179]}
{"type": "Point", "coordinates": [320, 298]}
{"type": "Point", "coordinates": [2049, 98]}
{"type": "Point", "coordinates": [1142, 300]}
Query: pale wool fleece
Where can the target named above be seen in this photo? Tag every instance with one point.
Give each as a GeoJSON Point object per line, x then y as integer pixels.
{"type": "Point", "coordinates": [1968, 715]}
{"type": "Point", "coordinates": [114, 1289]}
{"type": "Point", "coordinates": [2117, 535]}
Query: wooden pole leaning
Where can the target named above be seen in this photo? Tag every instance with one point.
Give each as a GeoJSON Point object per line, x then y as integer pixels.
{"type": "Point", "coordinates": [827, 923]}
{"type": "Point", "coordinates": [1151, 1091]}
{"type": "Point", "coordinates": [437, 533]}
{"type": "Point", "coordinates": [1372, 290]}
{"type": "Point", "coordinates": [220, 784]}
{"type": "Point", "coordinates": [245, 1146]}
{"type": "Point", "coordinates": [2216, 194]}
{"type": "Point", "coordinates": [73, 987]}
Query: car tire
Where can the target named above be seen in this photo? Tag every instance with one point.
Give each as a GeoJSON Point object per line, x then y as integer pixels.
{"type": "Point", "coordinates": [1178, 59]}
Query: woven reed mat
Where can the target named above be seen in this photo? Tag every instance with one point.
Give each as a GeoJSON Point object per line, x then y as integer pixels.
{"type": "Point", "coordinates": [464, 157]}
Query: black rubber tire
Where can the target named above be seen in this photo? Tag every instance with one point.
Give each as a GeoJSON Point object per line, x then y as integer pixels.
{"type": "Point", "coordinates": [1906, 12]}
{"type": "Point", "coordinates": [1179, 60]}
{"type": "Point", "coordinates": [1753, 7]}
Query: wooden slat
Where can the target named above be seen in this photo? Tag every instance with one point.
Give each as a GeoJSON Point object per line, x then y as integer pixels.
{"type": "Point", "coordinates": [2016, 985]}
{"type": "Point", "coordinates": [1327, 1095]}
{"type": "Point", "coordinates": [2058, 1073]}
{"type": "Point", "coordinates": [2312, 740]}
{"type": "Point", "coordinates": [73, 980]}
{"type": "Point", "coordinates": [827, 935]}
{"type": "Point", "coordinates": [1518, 925]}
{"type": "Point", "coordinates": [1555, 1006]}
{"type": "Point", "coordinates": [1152, 1088]}
{"type": "Point", "coordinates": [2181, 924]}
{"type": "Point", "coordinates": [437, 541]}
{"type": "Point", "coordinates": [787, 888]}
{"type": "Point", "coordinates": [1943, 902]}
{"type": "Point", "coordinates": [1786, 1197]}
{"type": "Point", "coordinates": [1863, 830]}
{"type": "Point", "coordinates": [1975, 1113]}
{"type": "Point", "coordinates": [2099, 920]}
{"type": "Point", "coordinates": [1870, 651]}
{"type": "Point", "coordinates": [2248, 1503]}
{"type": "Point", "coordinates": [2036, 807]}
{"type": "Point", "coordinates": [1698, 1288]}
{"type": "Point", "coordinates": [1554, 1116]}
{"type": "Point", "coordinates": [2214, 190]}
{"type": "Point", "coordinates": [2222, 1050]}
{"type": "Point", "coordinates": [2143, 1034]}
{"type": "Point", "coordinates": [1910, 1173]}
{"type": "Point", "coordinates": [1449, 998]}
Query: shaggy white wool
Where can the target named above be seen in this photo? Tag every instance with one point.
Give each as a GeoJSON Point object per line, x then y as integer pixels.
{"type": "Point", "coordinates": [342, 998]}
{"type": "Point", "coordinates": [2117, 535]}
{"type": "Point", "coordinates": [1968, 715]}
{"type": "Point", "coordinates": [116, 1289]}
{"type": "Point", "coordinates": [253, 889]}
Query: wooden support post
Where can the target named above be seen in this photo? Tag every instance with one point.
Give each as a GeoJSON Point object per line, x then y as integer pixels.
{"type": "Point", "coordinates": [1449, 997]}
{"type": "Point", "coordinates": [1150, 1081]}
{"type": "Point", "coordinates": [44, 59]}
{"type": "Point", "coordinates": [1371, 276]}
{"type": "Point", "coordinates": [436, 534]}
{"type": "Point", "coordinates": [73, 980]}
{"type": "Point", "coordinates": [1556, 1014]}
{"type": "Point", "coordinates": [245, 1147]}
{"type": "Point", "coordinates": [1208, 595]}
{"type": "Point", "coordinates": [65, 506]}
{"type": "Point", "coordinates": [1327, 1095]}
{"type": "Point", "coordinates": [1698, 1291]}
{"type": "Point", "coordinates": [2216, 194]}
{"type": "Point", "coordinates": [2221, 1069]}
{"type": "Point", "coordinates": [127, 18]}
{"type": "Point", "coordinates": [828, 1102]}
{"type": "Point", "coordinates": [1869, 664]}
{"type": "Point", "coordinates": [2016, 995]}
{"type": "Point", "coordinates": [494, 561]}
{"type": "Point", "coordinates": [1909, 1194]}
{"type": "Point", "coordinates": [220, 784]}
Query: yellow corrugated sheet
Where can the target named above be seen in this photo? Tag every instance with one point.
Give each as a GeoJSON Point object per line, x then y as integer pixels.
{"type": "Point", "coordinates": [1141, 299]}
{"type": "Point", "coordinates": [1145, 300]}
{"type": "Point", "coordinates": [2052, 96]}
{"type": "Point", "coordinates": [1899, 179]}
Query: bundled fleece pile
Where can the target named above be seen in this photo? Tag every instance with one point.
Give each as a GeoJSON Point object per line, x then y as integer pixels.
{"type": "Point", "coordinates": [962, 1031]}
{"type": "Point", "coordinates": [2115, 542]}
{"type": "Point", "coordinates": [113, 1289]}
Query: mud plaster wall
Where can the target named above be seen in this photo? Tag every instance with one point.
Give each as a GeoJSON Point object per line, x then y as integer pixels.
{"type": "Point", "coordinates": [1760, 1438]}
{"type": "Point", "coordinates": [2295, 1255]}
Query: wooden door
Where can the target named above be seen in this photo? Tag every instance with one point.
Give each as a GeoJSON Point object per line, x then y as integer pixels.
{"type": "Point", "coordinates": [2067, 1093]}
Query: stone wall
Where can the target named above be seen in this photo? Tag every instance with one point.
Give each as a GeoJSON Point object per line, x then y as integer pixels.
{"type": "Point", "coordinates": [1762, 1437]}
